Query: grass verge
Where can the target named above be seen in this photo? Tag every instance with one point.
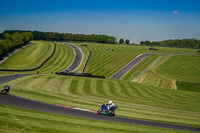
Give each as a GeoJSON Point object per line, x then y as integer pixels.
{"type": "Point", "coordinates": [23, 121]}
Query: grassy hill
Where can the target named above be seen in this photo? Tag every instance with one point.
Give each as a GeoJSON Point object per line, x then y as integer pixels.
{"type": "Point", "coordinates": [30, 57]}
{"type": "Point", "coordinates": [158, 95]}
{"type": "Point", "coordinates": [62, 58]}
{"type": "Point", "coordinates": [176, 72]}
{"type": "Point", "coordinates": [106, 62]}
{"type": "Point", "coordinates": [35, 55]}
{"type": "Point", "coordinates": [134, 100]}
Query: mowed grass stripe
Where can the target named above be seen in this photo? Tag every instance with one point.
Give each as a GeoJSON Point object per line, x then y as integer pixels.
{"type": "Point", "coordinates": [99, 88]}
{"type": "Point", "coordinates": [63, 57]}
{"type": "Point", "coordinates": [54, 63]}
{"type": "Point", "coordinates": [73, 87]}
{"type": "Point", "coordinates": [111, 86]}
{"type": "Point", "coordinates": [109, 61]}
{"type": "Point", "coordinates": [93, 85]}
{"type": "Point", "coordinates": [86, 86]}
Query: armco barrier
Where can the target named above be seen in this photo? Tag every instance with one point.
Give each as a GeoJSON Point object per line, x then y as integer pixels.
{"type": "Point", "coordinates": [33, 68]}
{"type": "Point", "coordinates": [86, 62]}
{"type": "Point", "coordinates": [80, 75]}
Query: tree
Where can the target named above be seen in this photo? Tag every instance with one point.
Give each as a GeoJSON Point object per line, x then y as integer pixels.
{"type": "Point", "coordinates": [7, 36]}
{"type": "Point", "coordinates": [142, 43]}
{"type": "Point", "coordinates": [147, 42]}
{"type": "Point", "coordinates": [17, 39]}
{"type": "Point", "coordinates": [127, 41]}
{"type": "Point", "coordinates": [28, 36]}
{"type": "Point", "coordinates": [121, 41]}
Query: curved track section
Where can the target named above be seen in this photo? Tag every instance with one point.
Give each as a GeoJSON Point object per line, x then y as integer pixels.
{"type": "Point", "coordinates": [44, 107]}
{"type": "Point", "coordinates": [119, 74]}
{"type": "Point", "coordinates": [129, 66]}
{"type": "Point", "coordinates": [78, 58]}
{"type": "Point", "coordinates": [7, 78]}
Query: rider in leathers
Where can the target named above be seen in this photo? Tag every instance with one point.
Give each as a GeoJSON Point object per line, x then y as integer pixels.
{"type": "Point", "coordinates": [111, 104]}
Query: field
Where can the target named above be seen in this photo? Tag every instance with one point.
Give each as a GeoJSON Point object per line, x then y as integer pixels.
{"type": "Point", "coordinates": [134, 100]}
{"type": "Point", "coordinates": [105, 62]}
{"type": "Point", "coordinates": [175, 72]}
{"type": "Point", "coordinates": [32, 56]}
{"type": "Point", "coordinates": [62, 58]}
{"type": "Point", "coordinates": [167, 92]}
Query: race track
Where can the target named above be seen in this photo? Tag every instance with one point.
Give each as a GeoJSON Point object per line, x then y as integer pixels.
{"type": "Point", "coordinates": [78, 58]}
{"type": "Point", "coordinates": [7, 78]}
{"type": "Point", "coordinates": [24, 103]}
{"type": "Point", "coordinates": [130, 65]}
{"type": "Point", "coordinates": [44, 107]}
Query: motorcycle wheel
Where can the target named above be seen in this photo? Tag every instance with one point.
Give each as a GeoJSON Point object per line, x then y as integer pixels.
{"type": "Point", "coordinates": [99, 111]}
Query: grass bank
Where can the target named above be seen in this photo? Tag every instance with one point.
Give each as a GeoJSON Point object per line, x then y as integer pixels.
{"type": "Point", "coordinates": [106, 62]}
{"type": "Point", "coordinates": [30, 57]}
{"type": "Point", "coordinates": [23, 121]}
{"type": "Point", "coordinates": [174, 72]}
{"type": "Point", "coordinates": [40, 51]}
{"type": "Point", "coordinates": [134, 100]}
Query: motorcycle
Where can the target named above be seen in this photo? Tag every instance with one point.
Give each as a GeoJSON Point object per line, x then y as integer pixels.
{"type": "Point", "coordinates": [5, 90]}
{"type": "Point", "coordinates": [104, 110]}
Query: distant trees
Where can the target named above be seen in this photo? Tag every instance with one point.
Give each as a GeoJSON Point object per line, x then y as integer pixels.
{"type": "Point", "coordinates": [145, 43]}
{"type": "Point", "coordinates": [38, 35]}
{"type": "Point", "coordinates": [13, 40]}
{"type": "Point", "coordinates": [180, 43]}
{"type": "Point", "coordinates": [127, 41]}
{"type": "Point", "coordinates": [121, 41]}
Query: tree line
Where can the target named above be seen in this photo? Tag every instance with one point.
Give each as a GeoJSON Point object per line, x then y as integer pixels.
{"type": "Point", "coordinates": [13, 40]}
{"type": "Point", "coordinates": [39, 35]}
{"type": "Point", "coordinates": [180, 43]}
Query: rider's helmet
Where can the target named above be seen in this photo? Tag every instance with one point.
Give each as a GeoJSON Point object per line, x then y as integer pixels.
{"type": "Point", "coordinates": [110, 102]}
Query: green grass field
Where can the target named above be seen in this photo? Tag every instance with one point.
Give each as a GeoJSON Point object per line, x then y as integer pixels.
{"type": "Point", "coordinates": [175, 72]}
{"type": "Point", "coordinates": [167, 92]}
{"type": "Point", "coordinates": [134, 100]}
{"type": "Point", "coordinates": [30, 57]}
{"type": "Point", "coordinates": [182, 67]}
{"type": "Point", "coordinates": [62, 58]}
{"type": "Point", "coordinates": [106, 62]}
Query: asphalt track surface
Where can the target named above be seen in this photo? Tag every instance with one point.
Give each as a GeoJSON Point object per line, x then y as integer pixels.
{"type": "Point", "coordinates": [7, 78]}
{"type": "Point", "coordinates": [130, 65]}
{"type": "Point", "coordinates": [78, 58]}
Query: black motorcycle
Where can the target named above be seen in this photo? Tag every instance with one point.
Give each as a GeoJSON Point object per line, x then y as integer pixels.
{"type": "Point", "coordinates": [5, 90]}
